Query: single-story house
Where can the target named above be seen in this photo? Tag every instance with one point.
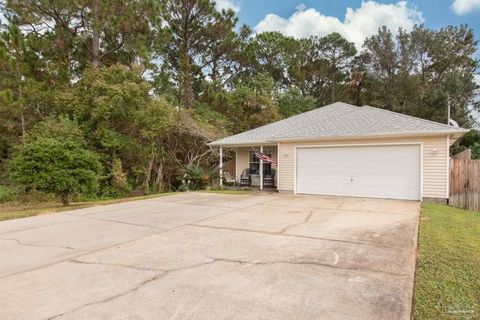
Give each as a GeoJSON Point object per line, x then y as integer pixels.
{"type": "Point", "coordinates": [345, 150]}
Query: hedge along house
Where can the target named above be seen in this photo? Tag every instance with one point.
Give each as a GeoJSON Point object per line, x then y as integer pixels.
{"type": "Point", "coordinates": [344, 150]}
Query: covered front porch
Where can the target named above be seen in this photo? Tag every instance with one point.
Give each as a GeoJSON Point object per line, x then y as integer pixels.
{"type": "Point", "coordinates": [249, 166]}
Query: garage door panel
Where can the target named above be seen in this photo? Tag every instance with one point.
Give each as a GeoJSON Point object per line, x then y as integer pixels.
{"type": "Point", "coordinates": [364, 171]}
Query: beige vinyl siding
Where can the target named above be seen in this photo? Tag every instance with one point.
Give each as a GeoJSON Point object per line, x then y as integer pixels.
{"type": "Point", "coordinates": [434, 183]}
{"type": "Point", "coordinates": [435, 168]}
{"type": "Point", "coordinates": [286, 162]}
{"type": "Point", "coordinates": [274, 157]}
{"type": "Point", "coordinates": [242, 160]}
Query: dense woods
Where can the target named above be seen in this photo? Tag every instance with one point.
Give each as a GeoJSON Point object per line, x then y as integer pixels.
{"type": "Point", "coordinates": [135, 89]}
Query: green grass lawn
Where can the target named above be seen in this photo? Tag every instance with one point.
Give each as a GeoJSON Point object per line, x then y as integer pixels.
{"type": "Point", "coordinates": [13, 210]}
{"type": "Point", "coordinates": [447, 282]}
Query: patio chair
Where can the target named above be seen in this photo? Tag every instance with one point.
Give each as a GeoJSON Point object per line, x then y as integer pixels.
{"type": "Point", "coordinates": [228, 178]}
{"type": "Point", "coordinates": [269, 180]}
{"type": "Point", "coordinates": [245, 180]}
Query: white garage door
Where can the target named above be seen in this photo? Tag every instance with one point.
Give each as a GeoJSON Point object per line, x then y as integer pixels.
{"type": "Point", "coordinates": [360, 171]}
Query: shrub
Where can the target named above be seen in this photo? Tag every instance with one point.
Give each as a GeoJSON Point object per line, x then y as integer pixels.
{"type": "Point", "coordinates": [196, 177]}
{"type": "Point", "coordinates": [52, 162]}
{"type": "Point", "coordinates": [193, 177]}
{"type": "Point", "coordinates": [120, 186]}
{"type": "Point", "coordinates": [6, 194]}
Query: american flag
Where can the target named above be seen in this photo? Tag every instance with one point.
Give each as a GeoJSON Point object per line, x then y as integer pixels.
{"type": "Point", "coordinates": [264, 157]}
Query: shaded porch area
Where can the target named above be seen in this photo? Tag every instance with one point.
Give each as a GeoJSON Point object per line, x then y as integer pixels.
{"type": "Point", "coordinates": [249, 166]}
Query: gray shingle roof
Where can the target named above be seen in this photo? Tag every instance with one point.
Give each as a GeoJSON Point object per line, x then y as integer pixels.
{"type": "Point", "coordinates": [339, 120]}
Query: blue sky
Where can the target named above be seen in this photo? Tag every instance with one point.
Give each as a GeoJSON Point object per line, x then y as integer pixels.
{"type": "Point", "coordinates": [437, 13]}
{"type": "Point", "coordinates": [305, 17]}
{"type": "Point", "coordinates": [354, 19]}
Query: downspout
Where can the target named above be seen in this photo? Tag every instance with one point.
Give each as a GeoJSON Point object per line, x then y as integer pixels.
{"type": "Point", "coordinates": [261, 169]}
{"type": "Point", "coordinates": [447, 173]}
{"type": "Point", "coordinates": [221, 166]}
{"type": "Point", "coordinates": [278, 167]}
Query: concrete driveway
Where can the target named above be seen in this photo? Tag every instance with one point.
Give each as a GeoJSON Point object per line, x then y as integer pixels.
{"type": "Point", "coordinates": [213, 256]}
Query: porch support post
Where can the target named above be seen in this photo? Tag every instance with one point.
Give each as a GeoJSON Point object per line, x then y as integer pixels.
{"type": "Point", "coordinates": [261, 170]}
{"type": "Point", "coordinates": [237, 176]}
{"type": "Point", "coordinates": [221, 166]}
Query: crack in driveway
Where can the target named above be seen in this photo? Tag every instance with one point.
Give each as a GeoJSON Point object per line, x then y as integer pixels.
{"type": "Point", "coordinates": [277, 233]}
{"type": "Point", "coordinates": [157, 276]}
{"type": "Point", "coordinates": [118, 221]}
{"type": "Point", "coordinates": [38, 245]}
{"type": "Point", "coordinates": [307, 218]}
{"type": "Point", "coordinates": [242, 263]}
{"type": "Point", "coordinates": [35, 227]}
{"type": "Point", "coordinates": [164, 272]}
{"type": "Point", "coordinates": [311, 263]}
{"type": "Point", "coordinates": [114, 265]}
{"type": "Point", "coordinates": [118, 243]}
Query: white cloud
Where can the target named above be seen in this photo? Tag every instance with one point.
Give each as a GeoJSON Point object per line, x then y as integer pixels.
{"type": "Point", "coordinates": [465, 6]}
{"type": "Point", "coordinates": [227, 4]}
{"type": "Point", "coordinates": [357, 25]}
{"type": "Point", "coordinates": [301, 7]}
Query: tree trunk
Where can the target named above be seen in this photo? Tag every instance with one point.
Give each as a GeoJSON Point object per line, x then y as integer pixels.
{"type": "Point", "coordinates": [358, 100]}
{"type": "Point", "coordinates": [214, 75]}
{"type": "Point", "coordinates": [95, 34]}
{"type": "Point", "coordinates": [159, 178]}
{"type": "Point", "coordinates": [22, 107]}
{"type": "Point", "coordinates": [148, 175]}
{"type": "Point", "coordinates": [186, 86]}
{"type": "Point", "coordinates": [64, 197]}
{"type": "Point", "coordinates": [22, 119]}
{"type": "Point", "coordinates": [334, 85]}
{"type": "Point", "coordinates": [187, 90]}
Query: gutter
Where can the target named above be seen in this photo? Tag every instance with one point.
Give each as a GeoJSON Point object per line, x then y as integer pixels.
{"type": "Point", "coordinates": [459, 133]}
{"type": "Point", "coordinates": [243, 144]}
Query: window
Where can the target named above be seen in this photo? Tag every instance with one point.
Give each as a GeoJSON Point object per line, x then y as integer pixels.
{"type": "Point", "coordinates": [254, 163]}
